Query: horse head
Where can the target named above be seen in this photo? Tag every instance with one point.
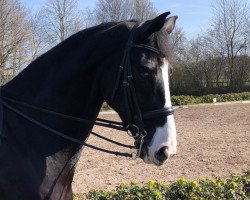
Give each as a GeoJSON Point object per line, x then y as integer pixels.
{"type": "Point", "coordinates": [141, 88]}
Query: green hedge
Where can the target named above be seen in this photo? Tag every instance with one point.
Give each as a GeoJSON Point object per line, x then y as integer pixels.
{"type": "Point", "coordinates": [185, 100]}
{"type": "Point", "coordinates": [234, 187]}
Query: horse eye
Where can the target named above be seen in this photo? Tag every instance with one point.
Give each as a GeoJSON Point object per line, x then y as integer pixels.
{"type": "Point", "coordinates": [145, 75]}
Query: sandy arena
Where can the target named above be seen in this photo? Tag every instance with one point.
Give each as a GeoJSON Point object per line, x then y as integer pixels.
{"type": "Point", "coordinates": [212, 140]}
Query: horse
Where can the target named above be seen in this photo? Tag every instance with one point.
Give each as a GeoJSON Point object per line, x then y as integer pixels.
{"type": "Point", "coordinates": [126, 64]}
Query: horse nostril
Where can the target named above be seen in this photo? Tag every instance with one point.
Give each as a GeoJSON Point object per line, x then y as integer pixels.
{"type": "Point", "coordinates": [162, 154]}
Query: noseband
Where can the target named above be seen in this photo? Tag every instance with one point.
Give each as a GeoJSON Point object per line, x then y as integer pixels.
{"type": "Point", "coordinates": [135, 116]}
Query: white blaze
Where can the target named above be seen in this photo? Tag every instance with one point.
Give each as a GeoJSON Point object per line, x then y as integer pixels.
{"type": "Point", "coordinates": [164, 136]}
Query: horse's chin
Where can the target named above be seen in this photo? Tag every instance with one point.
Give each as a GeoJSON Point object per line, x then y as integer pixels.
{"type": "Point", "coordinates": [154, 162]}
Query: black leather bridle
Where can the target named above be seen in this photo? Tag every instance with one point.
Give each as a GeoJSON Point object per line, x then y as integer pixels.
{"type": "Point", "coordinates": [135, 117]}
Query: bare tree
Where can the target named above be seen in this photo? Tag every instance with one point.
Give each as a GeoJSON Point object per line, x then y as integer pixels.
{"type": "Point", "coordinates": [58, 20]}
{"type": "Point", "coordinates": [230, 26]}
{"type": "Point", "coordinates": [15, 32]}
{"type": "Point", "coordinates": [178, 42]}
{"type": "Point", "coordinates": [110, 10]}
{"type": "Point", "coordinates": [220, 54]}
{"type": "Point", "coordinates": [215, 53]}
{"type": "Point", "coordinates": [118, 10]}
{"type": "Point", "coordinates": [143, 10]}
{"type": "Point", "coordinates": [35, 45]}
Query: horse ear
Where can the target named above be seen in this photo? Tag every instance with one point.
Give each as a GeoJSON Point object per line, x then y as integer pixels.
{"type": "Point", "coordinates": [169, 24]}
{"type": "Point", "coordinates": [150, 27]}
{"type": "Point", "coordinates": [154, 25]}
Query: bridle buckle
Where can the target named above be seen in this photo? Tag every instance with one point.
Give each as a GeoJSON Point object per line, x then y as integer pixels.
{"type": "Point", "coordinates": [133, 126]}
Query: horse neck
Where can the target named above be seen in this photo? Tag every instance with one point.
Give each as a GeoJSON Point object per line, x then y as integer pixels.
{"type": "Point", "coordinates": [62, 81]}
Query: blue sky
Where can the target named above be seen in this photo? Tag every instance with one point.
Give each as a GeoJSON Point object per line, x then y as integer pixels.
{"type": "Point", "coordinates": [194, 15]}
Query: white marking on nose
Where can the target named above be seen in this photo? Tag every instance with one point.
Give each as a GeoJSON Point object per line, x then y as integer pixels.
{"type": "Point", "coordinates": [164, 136]}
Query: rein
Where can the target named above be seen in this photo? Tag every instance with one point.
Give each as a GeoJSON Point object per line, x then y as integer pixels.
{"type": "Point", "coordinates": [99, 122]}
{"type": "Point", "coordinates": [65, 136]}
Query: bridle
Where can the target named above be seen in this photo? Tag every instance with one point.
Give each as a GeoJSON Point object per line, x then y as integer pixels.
{"type": "Point", "coordinates": [135, 117]}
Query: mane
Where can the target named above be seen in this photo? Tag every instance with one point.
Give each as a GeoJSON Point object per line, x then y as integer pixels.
{"type": "Point", "coordinates": [85, 42]}
{"type": "Point", "coordinates": [80, 38]}
{"type": "Point", "coordinates": [83, 45]}
{"type": "Point", "coordinates": [90, 37]}
{"type": "Point", "coordinates": [84, 37]}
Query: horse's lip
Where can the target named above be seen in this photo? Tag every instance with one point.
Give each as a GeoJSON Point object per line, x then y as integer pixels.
{"type": "Point", "coordinates": [157, 162]}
